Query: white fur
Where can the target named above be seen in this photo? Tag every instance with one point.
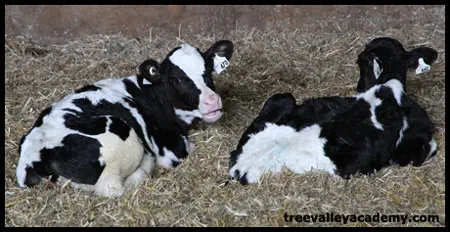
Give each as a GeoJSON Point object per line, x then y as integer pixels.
{"type": "Point", "coordinates": [376, 69]}
{"type": "Point", "coordinates": [144, 170]}
{"type": "Point", "coordinates": [121, 157]}
{"type": "Point", "coordinates": [404, 127]}
{"type": "Point", "coordinates": [146, 82]}
{"type": "Point", "coordinates": [282, 146]}
{"type": "Point", "coordinates": [422, 67]}
{"type": "Point", "coordinates": [397, 89]}
{"type": "Point", "coordinates": [187, 116]}
{"type": "Point", "coordinates": [433, 147]}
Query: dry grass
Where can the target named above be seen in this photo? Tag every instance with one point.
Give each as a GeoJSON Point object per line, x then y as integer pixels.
{"type": "Point", "coordinates": [311, 64]}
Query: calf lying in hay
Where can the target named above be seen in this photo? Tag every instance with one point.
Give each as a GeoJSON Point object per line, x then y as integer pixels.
{"type": "Point", "coordinates": [343, 135]}
{"type": "Point", "coordinates": [109, 135]}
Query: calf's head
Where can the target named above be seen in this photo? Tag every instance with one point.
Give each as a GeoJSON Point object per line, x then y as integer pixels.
{"type": "Point", "coordinates": [385, 58]}
{"type": "Point", "coordinates": [188, 72]}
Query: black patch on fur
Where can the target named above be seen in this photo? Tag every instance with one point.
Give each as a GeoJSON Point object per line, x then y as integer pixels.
{"type": "Point", "coordinates": [32, 178]}
{"type": "Point", "coordinates": [119, 128]}
{"type": "Point", "coordinates": [85, 124]}
{"type": "Point", "coordinates": [21, 142]}
{"type": "Point", "coordinates": [77, 160]}
{"type": "Point", "coordinates": [87, 88]}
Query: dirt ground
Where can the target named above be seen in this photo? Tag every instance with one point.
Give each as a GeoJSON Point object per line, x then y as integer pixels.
{"type": "Point", "coordinates": [306, 62]}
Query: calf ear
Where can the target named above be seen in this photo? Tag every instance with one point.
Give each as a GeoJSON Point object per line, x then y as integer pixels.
{"type": "Point", "coordinates": [219, 54]}
{"type": "Point", "coordinates": [421, 58]}
{"type": "Point", "coordinates": [277, 108]}
{"type": "Point", "coordinates": [368, 70]}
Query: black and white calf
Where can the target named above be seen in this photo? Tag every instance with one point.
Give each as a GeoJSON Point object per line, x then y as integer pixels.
{"type": "Point", "coordinates": [373, 61]}
{"type": "Point", "coordinates": [109, 135]}
{"type": "Point", "coordinates": [339, 135]}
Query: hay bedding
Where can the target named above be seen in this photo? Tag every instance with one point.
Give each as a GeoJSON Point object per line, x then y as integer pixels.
{"type": "Point", "coordinates": [310, 63]}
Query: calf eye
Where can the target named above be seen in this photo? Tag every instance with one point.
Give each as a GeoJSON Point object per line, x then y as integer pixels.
{"type": "Point", "coordinates": [152, 71]}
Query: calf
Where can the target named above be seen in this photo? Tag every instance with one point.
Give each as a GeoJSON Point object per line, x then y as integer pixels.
{"type": "Point", "coordinates": [111, 134]}
{"type": "Point", "coordinates": [340, 135]}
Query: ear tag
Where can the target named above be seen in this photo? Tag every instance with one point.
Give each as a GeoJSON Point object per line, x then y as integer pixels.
{"type": "Point", "coordinates": [220, 63]}
{"type": "Point", "coordinates": [422, 67]}
{"type": "Point", "coordinates": [146, 82]}
{"type": "Point", "coordinates": [377, 70]}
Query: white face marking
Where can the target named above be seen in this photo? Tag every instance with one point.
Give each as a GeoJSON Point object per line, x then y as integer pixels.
{"type": "Point", "coordinates": [404, 127]}
{"type": "Point", "coordinates": [188, 59]}
{"type": "Point", "coordinates": [376, 69]}
{"type": "Point", "coordinates": [422, 67]}
{"type": "Point", "coordinates": [282, 146]}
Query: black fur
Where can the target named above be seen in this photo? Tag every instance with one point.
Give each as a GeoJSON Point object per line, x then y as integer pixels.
{"type": "Point", "coordinates": [120, 128]}
{"type": "Point", "coordinates": [87, 88]}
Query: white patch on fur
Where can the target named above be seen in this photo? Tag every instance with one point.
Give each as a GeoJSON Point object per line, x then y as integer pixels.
{"type": "Point", "coordinates": [21, 173]}
{"type": "Point", "coordinates": [188, 59]}
{"type": "Point", "coordinates": [433, 148]}
{"type": "Point", "coordinates": [165, 160]}
{"type": "Point", "coordinates": [188, 116]}
{"type": "Point", "coordinates": [422, 67]}
{"type": "Point", "coordinates": [146, 82]}
{"type": "Point", "coordinates": [377, 70]}
{"type": "Point", "coordinates": [397, 89]}
{"type": "Point", "coordinates": [282, 146]}
{"type": "Point", "coordinates": [134, 79]}
{"type": "Point", "coordinates": [404, 127]}
{"type": "Point", "coordinates": [369, 97]}
{"type": "Point", "coordinates": [122, 158]}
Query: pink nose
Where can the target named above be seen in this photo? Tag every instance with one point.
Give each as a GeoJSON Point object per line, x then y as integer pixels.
{"type": "Point", "coordinates": [212, 100]}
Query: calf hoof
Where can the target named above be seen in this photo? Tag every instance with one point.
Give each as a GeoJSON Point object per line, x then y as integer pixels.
{"type": "Point", "coordinates": [110, 186]}
{"type": "Point", "coordinates": [134, 179]}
